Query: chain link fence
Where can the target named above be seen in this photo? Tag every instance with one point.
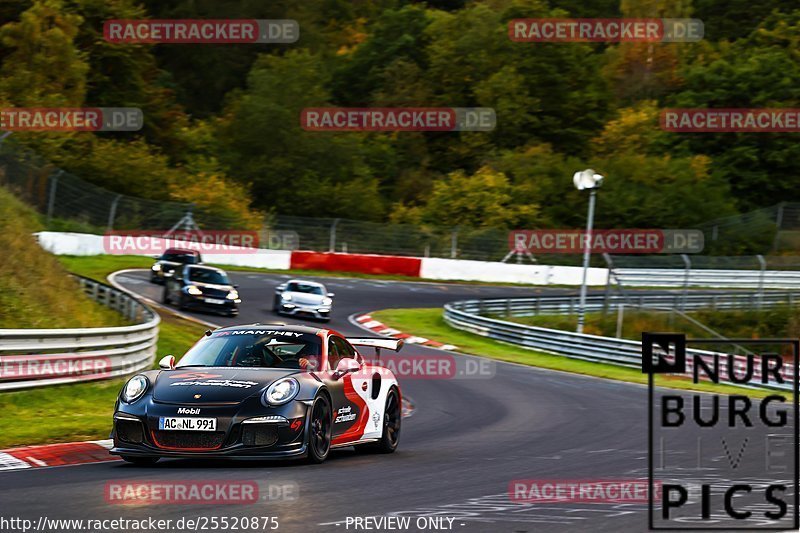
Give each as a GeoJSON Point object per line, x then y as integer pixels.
{"type": "Point", "coordinates": [73, 204]}
{"type": "Point", "coordinates": [770, 230]}
{"type": "Point", "coordinates": [69, 203]}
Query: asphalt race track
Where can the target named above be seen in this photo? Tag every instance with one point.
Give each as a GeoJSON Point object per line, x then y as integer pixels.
{"type": "Point", "coordinates": [466, 441]}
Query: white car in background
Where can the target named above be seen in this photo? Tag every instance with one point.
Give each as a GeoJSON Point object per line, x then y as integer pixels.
{"type": "Point", "coordinates": [302, 298]}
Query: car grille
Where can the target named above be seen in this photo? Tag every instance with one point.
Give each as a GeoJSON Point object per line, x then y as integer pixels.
{"type": "Point", "coordinates": [259, 434]}
{"type": "Point", "coordinates": [215, 293]}
{"type": "Point", "coordinates": [130, 431]}
{"type": "Point", "coordinates": [185, 440]}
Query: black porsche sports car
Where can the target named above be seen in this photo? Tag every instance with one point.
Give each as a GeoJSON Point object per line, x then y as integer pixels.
{"type": "Point", "coordinates": [260, 391]}
{"type": "Point", "coordinates": [202, 287]}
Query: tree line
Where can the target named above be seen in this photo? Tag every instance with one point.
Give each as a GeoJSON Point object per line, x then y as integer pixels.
{"type": "Point", "coordinates": [222, 126]}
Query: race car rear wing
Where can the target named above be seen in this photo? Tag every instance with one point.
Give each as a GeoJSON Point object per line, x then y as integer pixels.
{"type": "Point", "coordinates": [378, 343]}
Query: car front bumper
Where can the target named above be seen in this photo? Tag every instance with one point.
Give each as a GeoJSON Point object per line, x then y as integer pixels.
{"type": "Point", "coordinates": [284, 434]}
{"type": "Point", "coordinates": [321, 312]}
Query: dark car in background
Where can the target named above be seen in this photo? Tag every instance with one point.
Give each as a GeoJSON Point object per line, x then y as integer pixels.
{"type": "Point", "coordinates": [202, 287]}
{"type": "Point", "coordinates": [171, 260]}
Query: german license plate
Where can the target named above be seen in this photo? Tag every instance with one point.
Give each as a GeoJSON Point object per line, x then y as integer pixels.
{"type": "Point", "coordinates": [187, 424]}
{"type": "Point", "coordinates": [214, 301]}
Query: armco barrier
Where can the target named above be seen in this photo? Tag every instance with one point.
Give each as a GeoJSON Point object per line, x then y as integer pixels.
{"type": "Point", "coordinates": [63, 243]}
{"type": "Point", "coordinates": [457, 269]}
{"type": "Point", "coordinates": [740, 279]}
{"type": "Point", "coordinates": [37, 357]}
{"type": "Point", "coordinates": [464, 315]}
{"type": "Point", "coordinates": [363, 263]}
{"type": "Point", "coordinates": [556, 304]}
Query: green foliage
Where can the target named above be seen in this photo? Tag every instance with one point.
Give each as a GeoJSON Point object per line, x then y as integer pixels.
{"type": "Point", "coordinates": [223, 129]}
{"type": "Point", "coordinates": [292, 170]}
{"type": "Point", "coordinates": [485, 198]}
{"type": "Point", "coordinates": [33, 283]}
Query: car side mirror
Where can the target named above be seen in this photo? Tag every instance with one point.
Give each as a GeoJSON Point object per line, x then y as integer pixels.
{"type": "Point", "coordinates": [346, 365]}
{"type": "Point", "coordinates": [236, 286]}
{"type": "Point", "coordinates": [331, 295]}
{"type": "Point", "coordinates": [167, 362]}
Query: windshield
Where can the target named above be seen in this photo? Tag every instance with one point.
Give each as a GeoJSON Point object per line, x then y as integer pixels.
{"type": "Point", "coordinates": [189, 259]}
{"type": "Point", "coordinates": [205, 275]}
{"type": "Point", "coordinates": [256, 349]}
{"type": "Point", "coordinates": [306, 288]}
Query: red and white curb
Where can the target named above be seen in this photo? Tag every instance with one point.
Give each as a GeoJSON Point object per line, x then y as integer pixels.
{"type": "Point", "coordinates": [366, 321]}
{"type": "Point", "coordinates": [69, 453]}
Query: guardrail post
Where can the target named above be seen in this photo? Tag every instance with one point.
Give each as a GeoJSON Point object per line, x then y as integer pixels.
{"type": "Point", "coordinates": [508, 307]}
{"type": "Point", "coordinates": [454, 243]}
{"type": "Point", "coordinates": [620, 319]}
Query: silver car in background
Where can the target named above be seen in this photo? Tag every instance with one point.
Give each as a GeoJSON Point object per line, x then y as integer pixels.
{"type": "Point", "coordinates": [298, 297]}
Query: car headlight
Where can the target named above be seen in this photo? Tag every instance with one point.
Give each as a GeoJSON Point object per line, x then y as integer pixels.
{"type": "Point", "coordinates": [286, 296]}
{"type": "Point", "coordinates": [134, 389]}
{"type": "Point", "coordinates": [193, 290]}
{"type": "Point", "coordinates": [282, 391]}
{"type": "Point", "coordinates": [327, 301]}
{"type": "Point", "coordinates": [156, 267]}
{"type": "Point", "coordinates": [233, 294]}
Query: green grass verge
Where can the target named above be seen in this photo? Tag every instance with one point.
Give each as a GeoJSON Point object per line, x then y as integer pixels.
{"type": "Point", "coordinates": [428, 323]}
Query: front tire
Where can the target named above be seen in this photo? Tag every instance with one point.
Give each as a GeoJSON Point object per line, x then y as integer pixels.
{"type": "Point", "coordinates": [319, 431]}
{"type": "Point", "coordinates": [139, 461]}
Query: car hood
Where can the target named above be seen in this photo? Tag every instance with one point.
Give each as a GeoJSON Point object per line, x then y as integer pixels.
{"type": "Point", "coordinates": [303, 298]}
{"type": "Point", "coordinates": [214, 384]}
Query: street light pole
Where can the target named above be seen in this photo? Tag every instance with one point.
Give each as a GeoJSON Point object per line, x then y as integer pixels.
{"type": "Point", "coordinates": [588, 179]}
{"type": "Point", "coordinates": [587, 253]}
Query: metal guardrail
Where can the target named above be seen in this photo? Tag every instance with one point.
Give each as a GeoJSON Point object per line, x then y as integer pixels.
{"type": "Point", "coordinates": [38, 357]}
{"type": "Point", "coordinates": [466, 315]}
{"type": "Point", "coordinates": [606, 302]}
{"type": "Point", "coordinates": [740, 279]}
